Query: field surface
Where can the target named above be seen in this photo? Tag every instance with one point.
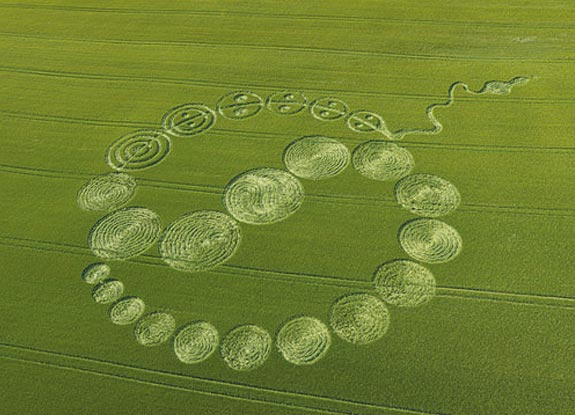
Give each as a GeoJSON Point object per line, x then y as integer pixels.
{"type": "Point", "coordinates": [497, 337]}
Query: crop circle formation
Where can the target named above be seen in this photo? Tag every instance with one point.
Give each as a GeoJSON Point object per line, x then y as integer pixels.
{"type": "Point", "coordinates": [202, 240]}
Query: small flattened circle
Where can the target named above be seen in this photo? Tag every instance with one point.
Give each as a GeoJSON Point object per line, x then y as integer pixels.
{"type": "Point", "coordinates": [106, 192]}
{"type": "Point", "coordinates": [263, 196]}
{"type": "Point", "coordinates": [246, 347]}
{"type": "Point", "coordinates": [359, 318]}
{"type": "Point", "coordinates": [303, 340]}
{"type": "Point", "coordinates": [154, 328]}
{"type": "Point", "coordinates": [124, 233]}
{"type": "Point", "coordinates": [107, 291]}
{"type": "Point", "coordinates": [126, 310]}
{"type": "Point", "coordinates": [328, 109]}
{"type": "Point", "coordinates": [286, 102]}
{"type": "Point", "coordinates": [195, 342]}
{"type": "Point", "coordinates": [404, 283]}
{"type": "Point", "coordinates": [138, 150]}
{"type": "Point", "coordinates": [427, 195]}
{"type": "Point", "coordinates": [239, 105]}
{"type": "Point", "coordinates": [365, 122]}
{"type": "Point", "coordinates": [199, 241]}
{"type": "Point", "coordinates": [316, 157]}
{"type": "Point", "coordinates": [381, 160]}
{"type": "Point", "coordinates": [430, 240]}
{"type": "Point", "coordinates": [96, 272]}
{"type": "Point", "coordinates": [188, 120]}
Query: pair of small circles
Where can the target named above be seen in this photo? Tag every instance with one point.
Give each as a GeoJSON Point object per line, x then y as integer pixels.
{"type": "Point", "coordinates": [239, 105]}
{"type": "Point", "coordinates": [404, 283]}
{"type": "Point", "coordinates": [430, 240]}
{"type": "Point", "coordinates": [286, 103]}
{"type": "Point", "coordinates": [188, 120]}
{"type": "Point", "coordinates": [328, 109]}
{"type": "Point", "coordinates": [199, 241]}
{"type": "Point", "coordinates": [365, 122]}
{"type": "Point", "coordinates": [263, 196]}
{"type": "Point", "coordinates": [106, 192]}
{"type": "Point", "coordinates": [138, 150]}
{"type": "Point", "coordinates": [125, 233]}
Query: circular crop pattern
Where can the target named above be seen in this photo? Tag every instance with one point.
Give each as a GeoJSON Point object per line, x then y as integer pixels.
{"type": "Point", "coordinates": [263, 196]}
{"type": "Point", "coordinates": [359, 318]}
{"type": "Point", "coordinates": [124, 233]}
{"type": "Point", "coordinates": [286, 102]}
{"type": "Point", "coordinates": [96, 272]}
{"type": "Point", "coordinates": [195, 342]}
{"type": "Point", "coordinates": [246, 347]}
{"type": "Point", "coordinates": [107, 192]}
{"type": "Point", "coordinates": [107, 291]}
{"type": "Point", "coordinates": [328, 109]}
{"type": "Point", "coordinates": [427, 195]}
{"type": "Point", "coordinates": [404, 283]}
{"type": "Point", "coordinates": [303, 340]}
{"type": "Point", "coordinates": [239, 105]}
{"type": "Point", "coordinates": [430, 240]}
{"type": "Point", "coordinates": [126, 310]}
{"type": "Point", "coordinates": [138, 150]}
{"type": "Point", "coordinates": [154, 329]}
{"type": "Point", "coordinates": [199, 241]}
{"type": "Point", "coordinates": [188, 120]}
{"type": "Point", "coordinates": [316, 157]}
{"type": "Point", "coordinates": [365, 122]}
{"type": "Point", "coordinates": [381, 160]}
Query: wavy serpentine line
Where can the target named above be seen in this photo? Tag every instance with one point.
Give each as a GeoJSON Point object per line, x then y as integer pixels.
{"type": "Point", "coordinates": [318, 197]}
{"type": "Point", "coordinates": [539, 300]}
{"type": "Point", "coordinates": [204, 381]}
{"type": "Point", "coordinates": [492, 87]}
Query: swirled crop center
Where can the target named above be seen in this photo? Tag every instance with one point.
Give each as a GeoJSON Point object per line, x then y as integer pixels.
{"type": "Point", "coordinates": [246, 347]}
{"type": "Point", "coordinates": [404, 283]}
{"type": "Point", "coordinates": [126, 310]}
{"type": "Point", "coordinates": [430, 240]}
{"type": "Point", "coordinates": [195, 342]}
{"type": "Point", "coordinates": [427, 195]}
{"type": "Point", "coordinates": [359, 318]}
{"type": "Point", "coordinates": [124, 233]}
{"type": "Point", "coordinates": [263, 196]}
{"type": "Point", "coordinates": [381, 160]}
{"type": "Point", "coordinates": [107, 192]}
{"type": "Point", "coordinates": [154, 329]}
{"type": "Point", "coordinates": [108, 291]}
{"type": "Point", "coordinates": [199, 241]}
{"type": "Point", "coordinates": [316, 157]}
{"type": "Point", "coordinates": [303, 340]}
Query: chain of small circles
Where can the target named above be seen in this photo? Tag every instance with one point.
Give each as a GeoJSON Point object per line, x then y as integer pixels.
{"type": "Point", "coordinates": [146, 148]}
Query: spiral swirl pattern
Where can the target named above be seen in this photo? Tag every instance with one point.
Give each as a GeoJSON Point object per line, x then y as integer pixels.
{"type": "Point", "coordinates": [246, 347]}
{"type": "Point", "coordinates": [124, 233]}
{"type": "Point", "coordinates": [107, 291]}
{"type": "Point", "coordinates": [316, 157]}
{"type": "Point", "coordinates": [199, 241]}
{"type": "Point", "coordinates": [427, 195]}
{"type": "Point", "coordinates": [126, 310]}
{"type": "Point", "coordinates": [263, 196]}
{"type": "Point", "coordinates": [154, 328]}
{"type": "Point", "coordinates": [404, 283]}
{"type": "Point", "coordinates": [430, 240]}
{"type": "Point", "coordinates": [359, 318]}
{"type": "Point", "coordinates": [195, 342]}
{"type": "Point", "coordinates": [107, 192]}
{"type": "Point", "coordinates": [381, 160]}
{"type": "Point", "coordinates": [96, 272]}
{"type": "Point", "coordinates": [303, 340]}
{"type": "Point", "coordinates": [138, 150]}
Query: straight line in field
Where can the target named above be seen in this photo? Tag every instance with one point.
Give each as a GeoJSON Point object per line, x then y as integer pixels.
{"type": "Point", "coordinates": [188, 383]}
{"type": "Point", "coordinates": [285, 48]}
{"type": "Point", "coordinates": [317, 197]}
{"type": "Point", "coordinates": [290, 16]}
{"type": "Point", "coordinates": [239, 85]}
{"type": "Point", "coordinates": [540, 300]}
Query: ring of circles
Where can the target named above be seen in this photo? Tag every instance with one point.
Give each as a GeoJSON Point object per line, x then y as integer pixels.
{"type": "Point", "coordinates": [202, 240]}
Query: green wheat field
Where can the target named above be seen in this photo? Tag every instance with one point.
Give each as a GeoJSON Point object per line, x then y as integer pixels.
{"type": "Point", "coordinates": [314, 281]}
